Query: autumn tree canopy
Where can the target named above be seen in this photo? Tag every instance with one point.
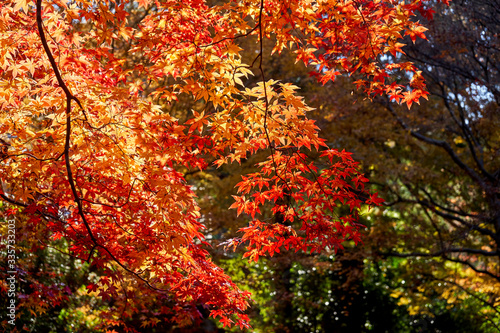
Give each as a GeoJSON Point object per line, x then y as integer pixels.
{"type": "Point", "coordinates": [91, 156]}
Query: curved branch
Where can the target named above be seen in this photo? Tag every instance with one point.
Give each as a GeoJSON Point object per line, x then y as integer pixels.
{"type": "Point", "coordinates": [440, 143]}
{"type": "Point", "coordinates": [474, 268]}
{"type": "Point", "coordinates": [69, 98]}
{"type": "Point", "coordinates": [448, 216]}
{"type": "Point", "coordinates": [12, 201]}
{"type": "Point", "coordinates": [468, 292]}
{"type": "Point", "coordinates": [449, 210]}
{"type": "Point", "coordinates": [472, 141]}
{"type": "Point", "coordinates": [440, 253]}
{"type": "Point", "coordinates": [443, 253]}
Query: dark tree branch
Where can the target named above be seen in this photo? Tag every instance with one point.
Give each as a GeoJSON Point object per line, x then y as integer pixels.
{"type": "Point", "coordinates": [442, 144]}
{"type": "Point", "coordinates": [449, 210]}
{"type": "Point", "coordinates": [468, 292]}
{"type": "Point", "coordinates": [474, 268]}
{"type": "Point", "coordinates": [448, 216]}
{"type": "Point", "coordinates": [69, 98]}
{"type": "Point", "coordinates": [441, 253]}
{"type": "Point", "coordinates": [12, 201]}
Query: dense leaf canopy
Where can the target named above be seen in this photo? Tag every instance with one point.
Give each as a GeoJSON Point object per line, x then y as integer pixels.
{"type": "Point", "coordinates": [94, 153]}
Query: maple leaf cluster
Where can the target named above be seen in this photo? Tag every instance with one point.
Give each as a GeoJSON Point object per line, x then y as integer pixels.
{"type": "Point", "coordinates": [91, 155]}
